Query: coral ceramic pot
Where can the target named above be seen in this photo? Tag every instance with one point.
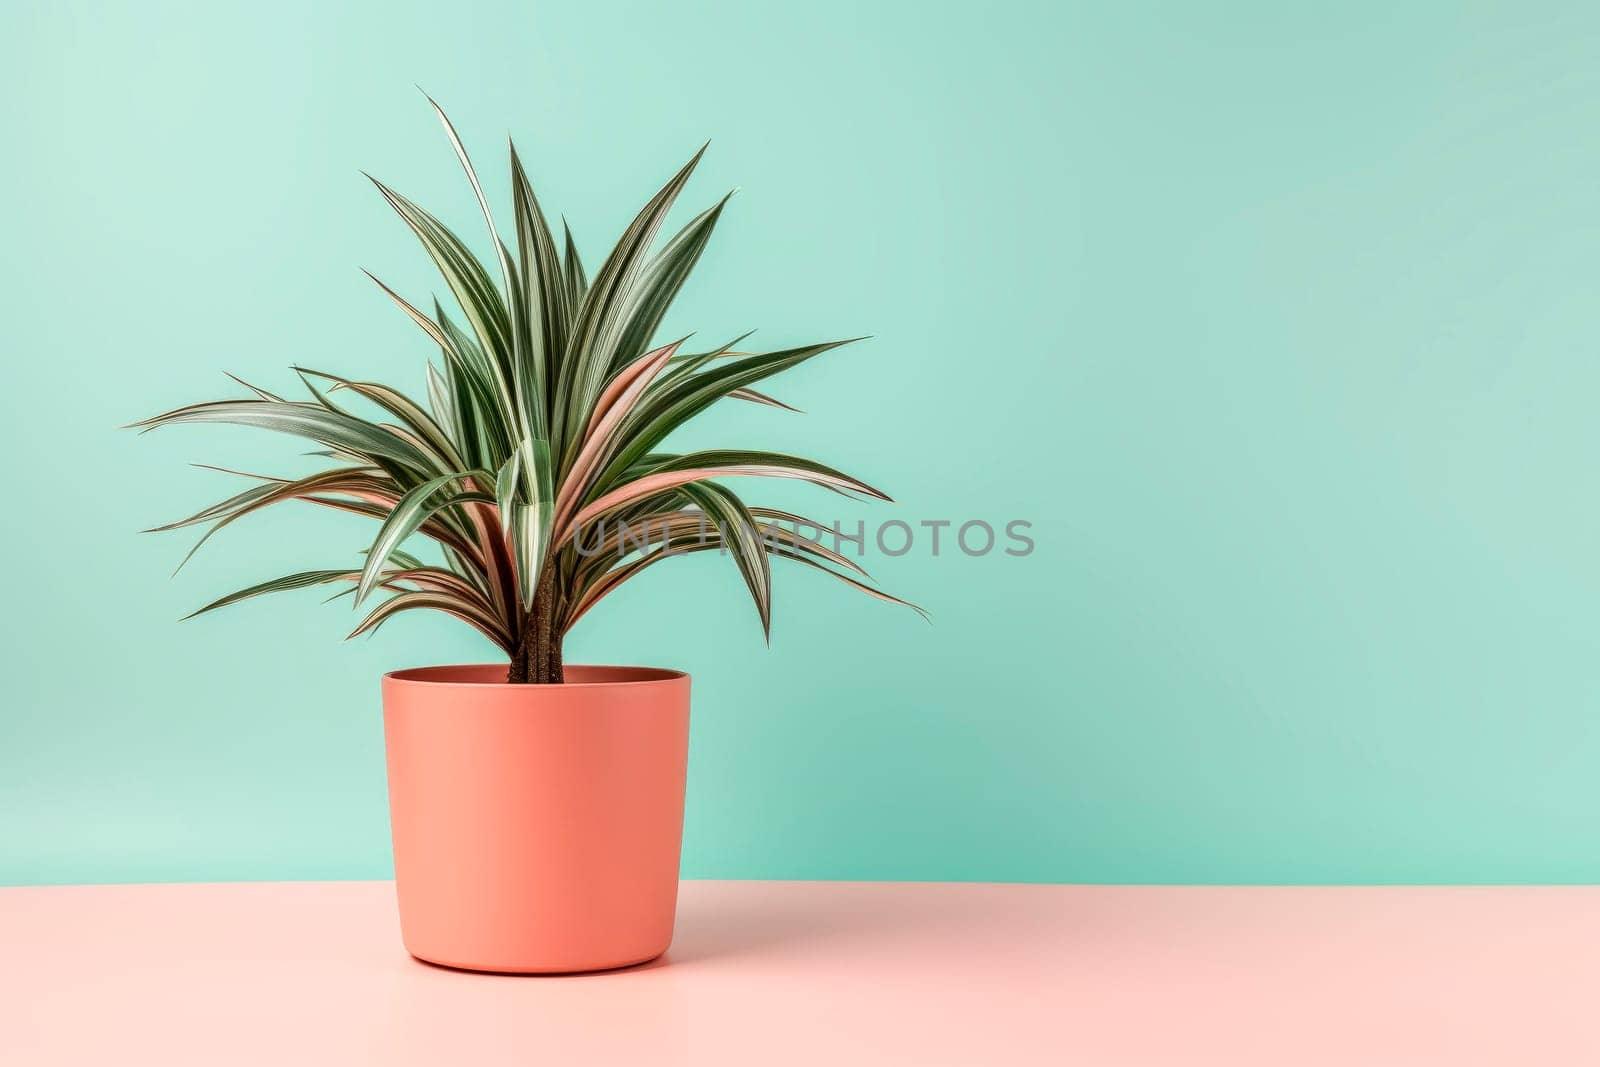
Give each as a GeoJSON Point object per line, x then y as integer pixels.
{"type": "Point", "coordinates": [536, 827]}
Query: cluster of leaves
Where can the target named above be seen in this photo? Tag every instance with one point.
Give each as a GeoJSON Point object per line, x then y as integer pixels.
{"type": "Point", "coordinates": [547, 415]}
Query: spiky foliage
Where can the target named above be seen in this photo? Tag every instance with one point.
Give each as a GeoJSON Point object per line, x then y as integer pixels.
{"type": "Point", "coordinates": [541, 451]}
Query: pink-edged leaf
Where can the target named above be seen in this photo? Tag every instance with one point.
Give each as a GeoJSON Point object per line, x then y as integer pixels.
{"type": "Point", "coordinates": [789, 553]}
{"type": "Point", "coordinates": [706, 539]}
{"type": "Point", "coordinates": [791, 535]}
{"type": "Point", "coordinates": [756, 397]}
{"type": "Point", "coordinates": [378, 506]}
{"type": "Point", "coordinates": [451, 605]}
{"type": "Point", "coordinates": [656, 483]}
{"type": "Point", "coordinates": [440, 580]}
{"type": "Point", "coordinates": [615, 402]}
{"type": "Point", "coordinates": [267, 494]}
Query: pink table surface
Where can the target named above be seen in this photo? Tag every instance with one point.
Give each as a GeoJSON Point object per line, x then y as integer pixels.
{"type": "Point", "coordinates": [821, 973]}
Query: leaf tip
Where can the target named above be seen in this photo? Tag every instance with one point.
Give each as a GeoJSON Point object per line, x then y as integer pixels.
{"type": "Point", "coordinates": [431, 101]}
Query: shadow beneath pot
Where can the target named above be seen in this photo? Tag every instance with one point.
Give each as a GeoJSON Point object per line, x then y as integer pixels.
{"type": "Point", "coordinates": [768, 921]}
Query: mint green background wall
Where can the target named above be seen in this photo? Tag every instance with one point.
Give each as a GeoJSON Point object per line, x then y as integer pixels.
{"type": "Point", "coordinates": [1281, 326]}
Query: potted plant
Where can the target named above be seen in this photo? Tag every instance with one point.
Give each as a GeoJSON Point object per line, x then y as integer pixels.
{"type": "Point", "coordinates": [536, 806]}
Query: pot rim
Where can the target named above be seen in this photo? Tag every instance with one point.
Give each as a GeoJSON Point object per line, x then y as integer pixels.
{"type": "Point", "coordinates": [633, 676]}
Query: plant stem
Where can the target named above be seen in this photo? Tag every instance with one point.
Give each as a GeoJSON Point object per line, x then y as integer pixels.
{"type": "Point", "coordinates": [538, 657]}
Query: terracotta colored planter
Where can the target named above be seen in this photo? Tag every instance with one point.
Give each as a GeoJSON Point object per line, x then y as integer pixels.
{"type": "Point", "coordinates": [536, 827]}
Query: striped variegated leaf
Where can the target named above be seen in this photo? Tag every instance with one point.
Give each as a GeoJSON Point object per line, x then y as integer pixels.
{"type": "Point", "coordinates": [545, 295]}
{"type": "Point", "coordinates": [688, 394]}
{"type": "Point", "coordinates": [603, 316]}
{"type": "Point", "coordinates": [436, 601]}
{"type": "Point", "coordinates": [409, 513]}
{"type": "Point", "coordinates": [344, 432]}
{"type": "Point", "coordinates": [742, 535]}
{"type": "Point", "coordinates": [303, 580]}
{"type": "Point", "coordinates": [701, 466]}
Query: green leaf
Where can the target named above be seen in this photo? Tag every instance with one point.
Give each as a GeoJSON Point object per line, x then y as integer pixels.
{"type": "Point", "coordinates": [602, 317]}
{"type": "Point", "coordinates": [530, 537]}
{"type": "Point", "coordinates": [340, 431]}
{"type": "Point", "coordinates": [409, 513]}
{"type": "Point", "coordinates": [505, 489]}
{"type": "Point", "coordinates": [411, 414]}
{"type": "Point", "coordinates": [877, 594]}
{"type": "Point", "coordinates": [780, 464]}
{"type": "Point", "coordinates": [762, 398]}
{"type": "Point", "coordinates": [302, 580]}
{"type": "Point", "coordinates": [441, 400]}
{"type": "Point", "coordinates": [402, 558]}
{"type": "Point", "coordinates": [427, 598]}
{"type": "Point", "coordinates": [660, 283]}
{"type": "Point", "coordinates": [527, 507]}
{"type": "Point", "coordinates": [546, 294]}
{"type": "Point", "coordinates": [507, 275]}
{"type": "Point", "coordinates": [741, 534]}
{"type": "Point", "coordinates": [679, 400]}
{"type": "Point", "coordinates": [468, 281]}
{"type": "Point", "coordinates": [774, 530]}
{"type": "Point", "coordinates": [572, 269]}
{"type": "Point", "coordinates": [258, 497]}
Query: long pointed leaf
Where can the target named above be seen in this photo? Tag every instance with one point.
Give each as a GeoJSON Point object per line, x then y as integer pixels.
{"type": "Point", "coordinates": [302, 580]}
{"type": "Point", "coordinates": [666, 409]}
{"type": "Point", "coordinates": [741, 534]}
{"type": "Point", "coordinates": [601, 319]}
{"type": "Point", "coordinates": [428, 598]}
{"type": "Point", "coordinates": [409, 513]}
{"type": "Point", "coordinates": [303, 420]}
{"type": "Point", "coordinates": [660, 282]}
